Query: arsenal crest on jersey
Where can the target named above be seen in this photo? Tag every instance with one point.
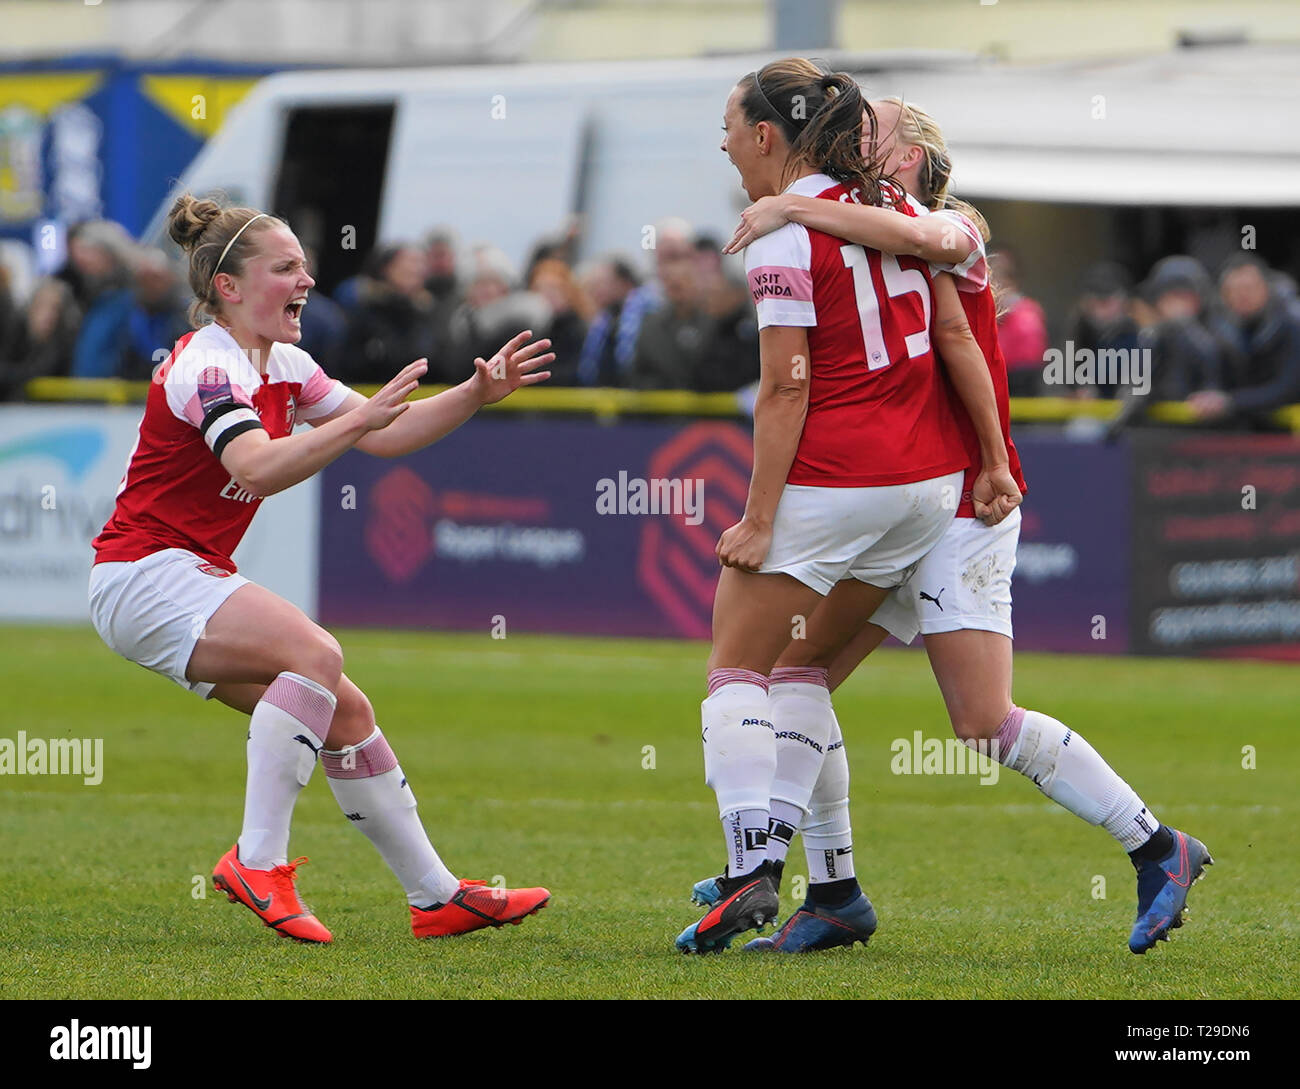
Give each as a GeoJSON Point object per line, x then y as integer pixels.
{"type": "Point", "coordinates": [213, 570]}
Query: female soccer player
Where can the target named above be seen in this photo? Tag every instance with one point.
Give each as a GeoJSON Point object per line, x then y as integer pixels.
{"type": "Point", "coordinates": [216, 438]}
{"type": "Point", "coordinates": [857, 462]}
{"type": "Point", "coordinates": [959, 599]}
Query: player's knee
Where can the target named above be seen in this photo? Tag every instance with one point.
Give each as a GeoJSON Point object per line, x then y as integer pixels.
{"type": "Point", "coordinates": [320, 658]}
{"type": "Point", "coordinates": [353, 721]}
{"type": "Point", "coordinates": [978, 723]}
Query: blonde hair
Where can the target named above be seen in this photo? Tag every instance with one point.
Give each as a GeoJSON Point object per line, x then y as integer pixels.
{"type": "Point", "coordinates": [918, 128]}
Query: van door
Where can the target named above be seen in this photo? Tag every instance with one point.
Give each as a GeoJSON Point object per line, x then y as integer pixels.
{"type": "Point", "coordinates": [331, 182]}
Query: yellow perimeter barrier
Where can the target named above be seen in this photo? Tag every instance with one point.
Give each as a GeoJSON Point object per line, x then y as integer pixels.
{"type": "Point", "coordinates": [610, 404]}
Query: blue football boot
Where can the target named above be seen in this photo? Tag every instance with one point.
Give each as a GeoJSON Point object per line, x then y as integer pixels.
{"type": "Point", "coordinates": [816, 926]}
{"type": "Point", "coordinates": [1162, 890]}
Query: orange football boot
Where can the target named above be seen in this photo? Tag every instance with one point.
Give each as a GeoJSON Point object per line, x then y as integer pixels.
{"type": "Point", "coordinates": [475, 906]}
{"type": "Point", "coordinates": [271, 896]}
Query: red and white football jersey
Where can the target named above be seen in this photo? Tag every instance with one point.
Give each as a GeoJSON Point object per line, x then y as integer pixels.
{"type": "Point", "coordinates": [176, 493]}
{"type": "Point", "coordinates": [976, 294]}
{"type": "Point", "coordinates": [878, 411]}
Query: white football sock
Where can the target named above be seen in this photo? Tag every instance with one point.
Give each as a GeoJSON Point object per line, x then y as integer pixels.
{"type": "Point", "coordinates": [803, 720]}
{"type": "Point", "coordinates": [739, 760]}
{"type": "Point", "coordinates": [827, 833]}
{"type": "Point", "coordinates": [783, 822]}
{"type": "Point", "coordinates": [371, 790]}
{"type": "Point", "coordinates": [1062, 764]}
{"type": "Point", "coordinates": [287, 729]}
{"type": "Point", "coordinates": [745, 831]}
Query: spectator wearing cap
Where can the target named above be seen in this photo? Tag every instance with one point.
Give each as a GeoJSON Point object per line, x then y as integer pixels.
{"type": "Point", "coordinates": [621, 303]}
{"type": "Point", "coordinates": [1102, 321]}
{"type": "Point", "coordinates": [392, 323]}
{"type": "Point", "coordinates": [1258, 327]}
{"type": "Point", "coordinates": [1184, 355]}
{"type": "Point", "coordinates": [1022, 327]}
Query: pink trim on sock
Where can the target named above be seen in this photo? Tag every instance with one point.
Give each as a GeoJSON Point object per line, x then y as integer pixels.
{"type": "Point", "coordinates": [374, 756]}
{"type": "Point", "coordinates": [309, 705]}
{"type": "Point", "coordinates": [719, 677]}
{"type": "Point", "coordinates": [1009, 732]}
{"type": "Point", "coordinates": [802, 675]}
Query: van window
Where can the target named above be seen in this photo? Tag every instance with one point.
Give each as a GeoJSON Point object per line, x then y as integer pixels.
{"type": "Point", "coordinates": [332, 178]}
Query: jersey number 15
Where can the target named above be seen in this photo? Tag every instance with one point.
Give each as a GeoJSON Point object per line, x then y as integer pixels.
{"type": "Point", "coordinates": [898, 281]}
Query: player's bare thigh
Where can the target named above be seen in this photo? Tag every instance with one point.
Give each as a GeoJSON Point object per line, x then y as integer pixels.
{"type": "Point", "coordinates": [256, 635]}
{"type": "Point", "coordinates": [973, 669]}
{"type": "Point", "coordinates": [753, 615]}
{"type": "Point", "coordinates": [854, 653]}
{"type": "Point", "coordinates": [353, 721]}
{"type": "Point", "coordinates": [840, 617]}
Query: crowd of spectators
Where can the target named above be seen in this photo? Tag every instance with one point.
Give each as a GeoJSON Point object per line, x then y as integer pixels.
{"type": "Point", "coordinates": [1227, 346]}
{"type": "Point", "coordinates": [678, 318]}
{"type": "Point", "coordinates": [686, 322]}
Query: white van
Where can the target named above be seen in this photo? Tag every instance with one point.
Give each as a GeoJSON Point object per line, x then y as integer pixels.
{"type": "Point", "coordinates": [502, 154]}
{"type": "Point", "coordinates": [1054, 154]}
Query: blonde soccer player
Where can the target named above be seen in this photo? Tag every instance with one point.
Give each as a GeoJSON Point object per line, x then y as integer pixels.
{"type": "Point", "coordinates": [958, 599]}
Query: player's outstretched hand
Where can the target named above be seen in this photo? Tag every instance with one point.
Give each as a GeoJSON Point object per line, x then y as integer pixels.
{"type": "Point", "coordinates": [995, 495]}
{"type": "Point", "coordinates": [762, 217]}
{"type": "Point", "coordinates": [391, 401]}
{"type": "Point", "coordinates": [745, 545]}
{"type": "Point", "coordinates": [513, 366]}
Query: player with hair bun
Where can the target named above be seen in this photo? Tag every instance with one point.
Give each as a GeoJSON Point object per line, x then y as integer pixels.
{"type": "Point", "coordinates": [959, 600]}
{"type": "Point", "coordinates": [216, 439]}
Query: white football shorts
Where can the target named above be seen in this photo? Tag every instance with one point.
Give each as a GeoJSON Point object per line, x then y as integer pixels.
{"type": "Point", "coordinates": [963, 583]}
{"type": "Point", "coordinates": [152, 611]}
{"type": "Point", "coordinates": [874, 535]}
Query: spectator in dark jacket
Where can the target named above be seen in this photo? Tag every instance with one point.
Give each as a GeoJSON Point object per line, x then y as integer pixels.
{"type": "Point", "coordinates": [9, 315]}
{"type": "Point", "coordinates": [443, 283]}
{"type": "Point", "coordinates": [554, 281]}
{"type": "Point", "coordinates": [672, 346]}
{"type": "Point", "coordinates": [41, 345]}
{"type": "Point", "coordinates": [100, 259]}
{"type": "Point", "coordinates": [621, 303]}
{"type": "Point", "coordinates": [392, 323]}
{"type": "Point", "coordinates": [1102, 321]}
{"type": "Point", "coordinates": [1258, 327]}
{"type": "Point", "coordinates": [157, 319]}
{"type": "Point", "coordinates": [324, 326]}
{"type": "Point", "coordinates": [1183, 354]}
{"type": "Point", "coordinates": [494, 310]}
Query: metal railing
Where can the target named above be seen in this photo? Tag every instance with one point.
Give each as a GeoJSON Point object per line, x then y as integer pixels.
{"type": "Point", "coordinates": [610, 404]}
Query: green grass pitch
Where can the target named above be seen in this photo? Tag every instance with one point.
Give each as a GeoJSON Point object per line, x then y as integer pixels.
{"type": "Point", "coordinates": [527, 755]}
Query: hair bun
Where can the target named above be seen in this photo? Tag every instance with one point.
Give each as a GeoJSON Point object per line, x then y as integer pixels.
{"type": "Point", "coordinates": [189, 218]}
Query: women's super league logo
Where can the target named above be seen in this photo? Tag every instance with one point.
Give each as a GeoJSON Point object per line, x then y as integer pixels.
{"type": "Point", "coordinates": [677, 564]}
